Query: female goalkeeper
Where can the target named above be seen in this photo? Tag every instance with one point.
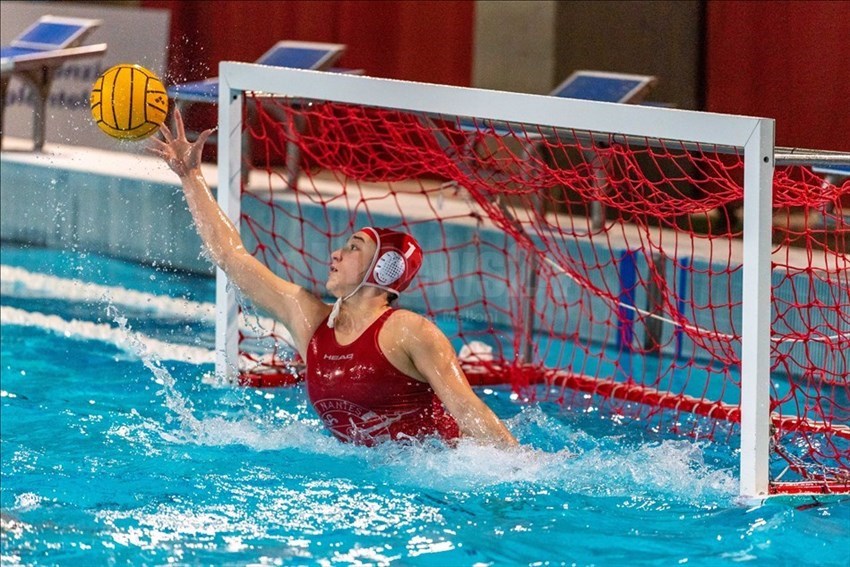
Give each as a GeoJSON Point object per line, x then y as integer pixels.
{"type": "Point", "coordinates": [374, 373]}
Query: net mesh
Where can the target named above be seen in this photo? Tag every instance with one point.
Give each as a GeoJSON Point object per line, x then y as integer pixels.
{"type": "Point", "coordinates": [596, 270]}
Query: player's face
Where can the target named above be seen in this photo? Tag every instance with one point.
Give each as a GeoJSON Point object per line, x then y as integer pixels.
{"type": "Point", "coordinates": [349, 264]}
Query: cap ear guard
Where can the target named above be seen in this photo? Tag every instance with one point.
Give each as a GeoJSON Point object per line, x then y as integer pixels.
{"type": "Point", "coordinates": [389, 268]}
{"type": "Point", "coordinates": [397, 260]}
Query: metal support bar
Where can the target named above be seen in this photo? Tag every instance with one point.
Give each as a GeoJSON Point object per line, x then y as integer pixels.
{"type": "Point", "coordinates": [229, 199]}
{"type": "Point", "coordinates": [798, 156]}
{"type": "Point", "coordinates": [756, 309]}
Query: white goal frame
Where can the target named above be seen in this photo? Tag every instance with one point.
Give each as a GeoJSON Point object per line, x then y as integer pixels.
{"type": "Point", "coordinates": [754, 135]}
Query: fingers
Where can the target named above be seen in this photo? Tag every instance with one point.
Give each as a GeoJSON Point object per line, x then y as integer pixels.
{"type": "Point", "coordinates": [157, 152]}
{"type": "Point", "coordinates": [159, 148]}
{"type": "Point", "coordinates": [202, 137]}
{"type": "Point", "coordinates": [166, 133]}
{"type": "Point", "coordinates": [156, 143]}
{"type": "Point", "coordinates": [178, 123]}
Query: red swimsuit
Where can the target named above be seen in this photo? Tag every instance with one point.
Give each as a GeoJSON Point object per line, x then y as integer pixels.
{"type": "Point", "coordinates": [362, 398]}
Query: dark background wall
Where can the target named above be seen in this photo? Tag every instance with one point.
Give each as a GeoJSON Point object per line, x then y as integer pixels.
{"type": "Point", "coordinates": [654, 38]}
{"type": "Point", "coordinates": [413, 40]}
{"type": "Point", "coordinates": [782, 59]}
{"type": "Point", "coordinates": [785, 60]}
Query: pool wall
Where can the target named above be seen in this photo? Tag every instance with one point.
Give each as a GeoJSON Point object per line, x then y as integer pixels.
{"type": "Point", "coordinates": [112, 203]}
{"type": "Point", "coordinates": [129, 206]}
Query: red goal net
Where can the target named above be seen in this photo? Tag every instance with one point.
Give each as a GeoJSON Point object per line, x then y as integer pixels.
{"type": "Point", "coordinates": [597, 270]}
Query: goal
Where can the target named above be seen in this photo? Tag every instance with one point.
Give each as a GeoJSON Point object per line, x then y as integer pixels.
{"type": "Point", "coordinates": [636, 263]}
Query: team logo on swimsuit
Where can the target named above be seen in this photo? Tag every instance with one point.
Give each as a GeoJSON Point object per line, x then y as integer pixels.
{"type": "Point", "coordinates": [354, 423]}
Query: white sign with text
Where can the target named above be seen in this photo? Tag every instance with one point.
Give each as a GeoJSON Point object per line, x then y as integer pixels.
{"type": "Point", "coordinates": [132, 35]}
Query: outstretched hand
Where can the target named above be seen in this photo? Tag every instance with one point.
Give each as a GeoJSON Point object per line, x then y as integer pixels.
{"type": "Point", "coordinates": [181, 155]}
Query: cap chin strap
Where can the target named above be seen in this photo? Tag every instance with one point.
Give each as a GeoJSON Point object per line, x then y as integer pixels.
{"type": "Point", "coordinates": [337, 305]}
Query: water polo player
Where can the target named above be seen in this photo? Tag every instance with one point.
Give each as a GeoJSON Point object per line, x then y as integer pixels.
{"type": "Point", "coordinates": [374, 372]}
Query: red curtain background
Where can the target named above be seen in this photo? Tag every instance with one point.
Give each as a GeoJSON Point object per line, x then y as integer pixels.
{"type": "Point", "coordinates": [784, 60]}
{"type": "Point", "coordinates": [414, 40]}
{"type": "Point", "coordinates": [788, 60]}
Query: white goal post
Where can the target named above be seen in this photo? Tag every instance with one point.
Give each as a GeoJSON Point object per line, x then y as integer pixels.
{"type": "Point", "coordinates": [755, 136]}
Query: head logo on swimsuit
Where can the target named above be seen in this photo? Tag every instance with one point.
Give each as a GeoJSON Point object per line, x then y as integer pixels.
{"type": "Point", "coordinates": [397, 259]}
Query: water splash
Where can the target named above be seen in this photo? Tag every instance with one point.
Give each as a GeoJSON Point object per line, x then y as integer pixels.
{"type": "Point", "coordinates": [574, 461]}
{"type": "Point", "coordinates": [176, 403]}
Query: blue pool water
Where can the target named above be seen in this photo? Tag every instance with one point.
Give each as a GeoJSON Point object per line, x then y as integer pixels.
{"type": "Point", "coordinates": [119, 447]}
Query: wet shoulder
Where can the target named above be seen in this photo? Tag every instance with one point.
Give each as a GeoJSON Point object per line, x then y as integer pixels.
{"type": "Point", "coordinates": [402, 326]}
{"type": "Point", "coordinates": [401, 320]}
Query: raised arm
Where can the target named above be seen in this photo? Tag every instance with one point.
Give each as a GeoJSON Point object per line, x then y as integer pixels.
{"type": "Point", "coordinates": [299, 310]}
{"type": "Point", "coordinates": [434, 358]}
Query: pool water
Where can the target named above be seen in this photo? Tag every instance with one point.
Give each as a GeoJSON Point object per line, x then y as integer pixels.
{"type": "Point", "coordinates": [120, 447]}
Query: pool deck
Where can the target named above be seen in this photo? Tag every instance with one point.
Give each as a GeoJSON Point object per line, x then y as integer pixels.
{"type": "Point", "coordinates": [71, 196]}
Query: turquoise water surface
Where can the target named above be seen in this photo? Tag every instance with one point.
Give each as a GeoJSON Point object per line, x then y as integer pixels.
{"type": "Point", "coordinates": [119, 447]}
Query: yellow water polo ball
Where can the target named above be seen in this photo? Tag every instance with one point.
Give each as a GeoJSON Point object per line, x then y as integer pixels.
{"type": "Point", "coordinates": [128, 102]}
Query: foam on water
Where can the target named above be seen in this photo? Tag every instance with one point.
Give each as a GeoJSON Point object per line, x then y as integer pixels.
{"type": "Point", "coordinates": [18, 282]}
{"type": "Point", "coordinates": [21, 283]}
{"type": "Point", "coordinates": [601, 468]}
{"type": "Point", "coordinates": [121, 338]}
